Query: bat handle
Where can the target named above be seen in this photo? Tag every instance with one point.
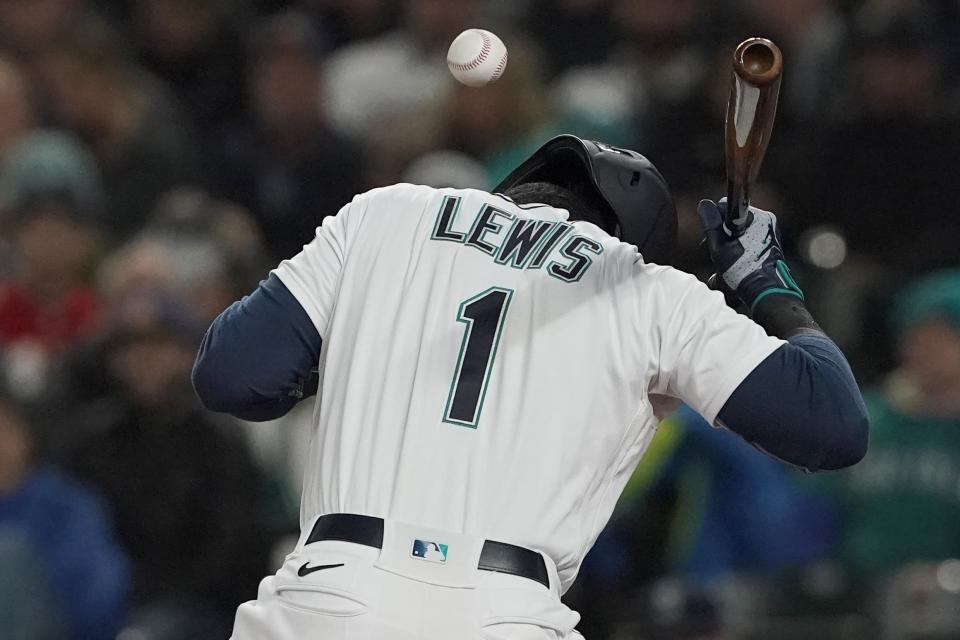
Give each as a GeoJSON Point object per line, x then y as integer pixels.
{"type": "Point", "coordinates": [738, 208]}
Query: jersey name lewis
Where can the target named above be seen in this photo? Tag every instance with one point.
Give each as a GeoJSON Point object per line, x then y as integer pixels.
{"type": "Point", "coordinates": [520, 243]}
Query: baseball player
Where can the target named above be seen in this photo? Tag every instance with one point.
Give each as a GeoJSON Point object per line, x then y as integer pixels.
{"type": "Point", "coordinates": [491, 368]}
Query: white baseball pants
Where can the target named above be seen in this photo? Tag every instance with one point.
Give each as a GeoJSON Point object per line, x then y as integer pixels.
{"type": "Point", "coordinates": [333, 590]}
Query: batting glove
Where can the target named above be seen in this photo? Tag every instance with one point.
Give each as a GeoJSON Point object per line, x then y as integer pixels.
{"type": "Point", "coordinates": [751, 264]}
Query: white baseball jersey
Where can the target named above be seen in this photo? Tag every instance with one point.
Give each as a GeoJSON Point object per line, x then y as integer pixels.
{"type": "Point", "coordinates": [494, 369]}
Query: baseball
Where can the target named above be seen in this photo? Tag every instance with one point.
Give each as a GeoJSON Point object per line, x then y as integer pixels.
{"type": "Point", "coordinates": [477, 57]}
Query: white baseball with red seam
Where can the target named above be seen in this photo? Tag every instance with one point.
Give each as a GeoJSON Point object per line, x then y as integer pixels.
{"type": "Point", "coordinates": [477, 57]}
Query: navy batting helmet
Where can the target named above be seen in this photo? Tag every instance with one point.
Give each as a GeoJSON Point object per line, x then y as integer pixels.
{"type": "Point", "coordinates": [629, 184]}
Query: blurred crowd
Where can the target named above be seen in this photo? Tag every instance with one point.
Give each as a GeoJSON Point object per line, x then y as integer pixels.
{"type": "Point", "coordinates": [157, 157]}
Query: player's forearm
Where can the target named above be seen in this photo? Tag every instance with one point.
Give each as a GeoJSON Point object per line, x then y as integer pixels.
{"type": "Point", "coordinates": [256, 355]}
{"type": "Point", "coordinates": [802, 405]}
{"type": "Point", "coordinates": [784, 317]}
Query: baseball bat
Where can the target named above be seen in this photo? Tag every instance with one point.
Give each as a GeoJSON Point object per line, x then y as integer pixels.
{"type": "Point", "coordinates": [751, 109]}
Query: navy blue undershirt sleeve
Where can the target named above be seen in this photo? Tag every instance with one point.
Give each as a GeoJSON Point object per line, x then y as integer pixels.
{"type": "Point", "coordinates": [258, 355]}
{"type": "Point", "coordinates": [802, 405]}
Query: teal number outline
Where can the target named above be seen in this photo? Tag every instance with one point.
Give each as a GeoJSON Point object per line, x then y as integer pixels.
{"type": "Point", "coordinates": [491, 358]}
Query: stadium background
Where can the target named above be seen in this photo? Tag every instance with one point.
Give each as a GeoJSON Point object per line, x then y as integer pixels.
{"type": "Point", "coordinates": [158, 156]}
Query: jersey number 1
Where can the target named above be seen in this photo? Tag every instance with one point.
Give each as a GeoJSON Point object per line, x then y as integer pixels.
{"type": "Point", "coordinates": [484, 315]}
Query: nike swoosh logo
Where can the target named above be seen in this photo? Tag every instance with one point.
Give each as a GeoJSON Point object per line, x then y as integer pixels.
{"type": "Point", "coordinates": [306, 570]}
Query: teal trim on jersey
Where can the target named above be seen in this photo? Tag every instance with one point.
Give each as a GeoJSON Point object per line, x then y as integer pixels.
{"type": "Point", "coordinates": [543, 226]}
{"type": "Point", "coordinates": [583, 270]}
{"type": "Point", "coordinates": [553, 238]}
{"type": "Point", "coordinates": [453, 218]}
{"type": "Point", "coordinates": [498, 227]}
{"type": "Point", "coordinates": [491, 358]}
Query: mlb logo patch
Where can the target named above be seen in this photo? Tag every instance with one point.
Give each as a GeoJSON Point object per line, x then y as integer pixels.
{"type": "Point", "coordinates": [427, 550]}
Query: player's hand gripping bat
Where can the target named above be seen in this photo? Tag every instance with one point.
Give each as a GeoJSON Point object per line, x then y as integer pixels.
{"type": "Point", "coordinates": [751, 109]}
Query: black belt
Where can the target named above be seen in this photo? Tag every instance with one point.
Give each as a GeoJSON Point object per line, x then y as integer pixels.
{"type": "Point", "coordinates": [495, 556]}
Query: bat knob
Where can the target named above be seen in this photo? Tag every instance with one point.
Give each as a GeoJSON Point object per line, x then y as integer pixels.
{"type": "Point", "coordinates": [758, 61]}
{"type": "Point", "coordinates": [757, 58]}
